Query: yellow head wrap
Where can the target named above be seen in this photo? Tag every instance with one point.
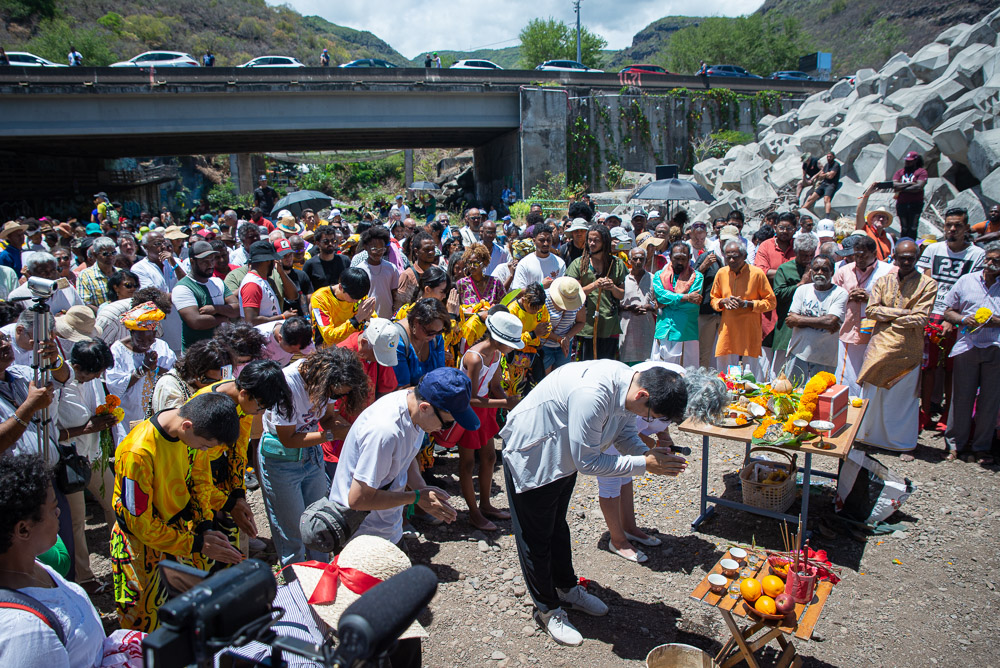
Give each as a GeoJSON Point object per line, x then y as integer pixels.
{"type": "Point", "coordinates": [143, 317]}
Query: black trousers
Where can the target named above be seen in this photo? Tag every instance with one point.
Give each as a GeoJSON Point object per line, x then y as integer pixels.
{"type": "Point", "coordinates": [909, 218]}
{"type": "Point", "coordinates": [607, 348]}
{"type": "Point", "coordinates": [542, 536]}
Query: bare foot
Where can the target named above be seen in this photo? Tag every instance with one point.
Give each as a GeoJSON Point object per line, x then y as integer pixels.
{"type": "Point", "coordinates": [477, 520]}
{"type": "Point", "coordinates": [495, 513]}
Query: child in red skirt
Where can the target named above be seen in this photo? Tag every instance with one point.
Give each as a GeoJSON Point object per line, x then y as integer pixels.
{"type": "Point", "coordinates": [481, 363]}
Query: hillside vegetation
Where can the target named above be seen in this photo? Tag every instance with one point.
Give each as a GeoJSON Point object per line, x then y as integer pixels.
{"type": "Point", "coordinates": [235, 31]}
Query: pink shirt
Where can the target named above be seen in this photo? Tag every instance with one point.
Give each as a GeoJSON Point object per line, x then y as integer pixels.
{"type": "Point", "coordinates": [769, 257]}
{"type": "Point", "coordinates": [848, 277]}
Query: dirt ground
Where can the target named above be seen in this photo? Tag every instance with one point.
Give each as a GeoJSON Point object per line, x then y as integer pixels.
{"type": "Point", "coordinates": [934, 607]}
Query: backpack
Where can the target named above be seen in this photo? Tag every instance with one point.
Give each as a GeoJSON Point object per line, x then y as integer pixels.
{"type": "Point", "coordinates": [16, 600]}
{"type": "Point", "coordinates": [112, 215]}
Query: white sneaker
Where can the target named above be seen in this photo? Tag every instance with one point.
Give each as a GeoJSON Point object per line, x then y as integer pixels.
{"type": "Point", "coordinates": [577, 598]}
{"type": "Point", "coordinates": [557, 625]}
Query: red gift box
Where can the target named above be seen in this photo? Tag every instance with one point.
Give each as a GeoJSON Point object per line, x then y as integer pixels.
{"type": "Point", "coordinates": [839, 422]}
{"type": "Point", "coordinates": [831, 402]}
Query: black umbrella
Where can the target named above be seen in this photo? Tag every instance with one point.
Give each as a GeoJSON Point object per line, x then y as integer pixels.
{"type": "Point", "coordinates": [302, 199]}
{"type": "Point", "coordinates": [673, 190]}
{"type": "Point", "coordinates": [424, 185]}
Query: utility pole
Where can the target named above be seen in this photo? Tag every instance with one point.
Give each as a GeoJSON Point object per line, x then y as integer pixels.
{"type": "Point", "coordinates": [576, 6]}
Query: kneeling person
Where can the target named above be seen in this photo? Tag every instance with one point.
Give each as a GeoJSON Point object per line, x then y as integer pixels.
{"type": "Point", "coordinates": [162, 500]}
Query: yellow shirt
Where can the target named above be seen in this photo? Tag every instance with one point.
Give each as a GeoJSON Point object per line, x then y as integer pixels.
{"type": "Point", "coordinates": [163, 495]}
{"type": "Point", "coordinates": [234, 485]}
{"type": "Point", "coordinates": [331, 316]}
{"type": "Point", "coordinates": [528, 323]}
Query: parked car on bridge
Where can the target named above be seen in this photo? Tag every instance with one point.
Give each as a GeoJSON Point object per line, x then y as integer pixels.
{"type": "Point", "coordinates": [369, 62]}
{"type": "Point", "coordinates": [475, 65]}
{"type": "Point", "coordinates": [160, 59]}
{"type": "Point", "coordinates": [730, 71]}
{"type": "Point", "coordinates": [273, 61]}
{"type": "Point", "coordinates": [791, 75]}
{"type": "Point", "coordinates": [25, 59]}
{"type": "Point", "coordinates": [644, 69]}
{"type": "Point", "coordinates": [565, 66]}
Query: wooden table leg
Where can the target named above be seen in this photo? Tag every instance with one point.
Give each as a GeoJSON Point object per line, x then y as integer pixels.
{"type": "Point", "coordinates": [788, 655]}
{"type": "Point", "coordinates": [741, 642]}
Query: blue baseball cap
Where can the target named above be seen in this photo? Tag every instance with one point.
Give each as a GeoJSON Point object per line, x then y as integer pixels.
{"type": "Point", "coordinates": [448, 389]}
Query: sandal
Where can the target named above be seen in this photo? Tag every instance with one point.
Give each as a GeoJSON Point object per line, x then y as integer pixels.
{"type": "Point", "coordinates": [985, 460]}
{"type": "Point", "coordinates": [950, 456]}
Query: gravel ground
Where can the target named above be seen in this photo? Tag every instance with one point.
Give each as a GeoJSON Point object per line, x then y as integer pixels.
{"type": "Point", "coordinates": [929, 609]}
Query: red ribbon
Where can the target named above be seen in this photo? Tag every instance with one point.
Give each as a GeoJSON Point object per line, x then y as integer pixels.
{"type": "Point", "coordinates": [326, 589]}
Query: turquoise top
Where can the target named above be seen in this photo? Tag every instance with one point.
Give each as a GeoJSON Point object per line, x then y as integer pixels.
{"type": "Point", "coordinates": [677, 320]}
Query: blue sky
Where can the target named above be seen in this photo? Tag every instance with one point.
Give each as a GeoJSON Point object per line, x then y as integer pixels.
{"type": "Point", "coordinates": [413, 27]}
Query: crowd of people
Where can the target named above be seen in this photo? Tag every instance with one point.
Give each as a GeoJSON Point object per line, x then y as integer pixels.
{"type": "Point", "coordinates": [320, 358]}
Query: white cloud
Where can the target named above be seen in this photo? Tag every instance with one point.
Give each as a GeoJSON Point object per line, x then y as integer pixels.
{"type": "Point", "coordinates": [413, 27]}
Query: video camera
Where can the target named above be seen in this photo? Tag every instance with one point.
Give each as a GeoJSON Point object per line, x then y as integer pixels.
{"type": "Point", "coordinates": [234, 607]}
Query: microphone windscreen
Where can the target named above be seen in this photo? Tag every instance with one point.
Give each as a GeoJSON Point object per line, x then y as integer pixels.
{"type": "Point", "coordinates": [388, 608]}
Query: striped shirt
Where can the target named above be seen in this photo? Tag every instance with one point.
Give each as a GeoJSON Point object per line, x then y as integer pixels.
{"type": "Point", "coordinates": [967, 296]}
{"type": "Point", "coordinates": [561, 322]}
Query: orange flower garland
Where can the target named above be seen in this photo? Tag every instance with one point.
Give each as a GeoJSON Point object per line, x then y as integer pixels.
{"type": "Point", "coordinates": [809, 401]}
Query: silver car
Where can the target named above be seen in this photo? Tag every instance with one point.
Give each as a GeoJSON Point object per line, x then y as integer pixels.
{"type": "Point", "coordinates": [565, 66]}
{"type": "Point", "coordinates": [475, 65]}
{"type": "Point", "coordinates": [160, 59]}
{"type": "Point", "coordinates": [273, 61]}
{"type": "Point", "coordinates": [25, 59]}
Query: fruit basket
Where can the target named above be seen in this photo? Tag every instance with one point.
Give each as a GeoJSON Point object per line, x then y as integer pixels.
{"type": "Point", "coordinates": [776, 492]}
{"type": "Point", "coordinates": [750, 610]}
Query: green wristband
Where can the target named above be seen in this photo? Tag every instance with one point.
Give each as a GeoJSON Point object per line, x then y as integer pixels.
{"type": "Point", "coordinates": [416, 500]}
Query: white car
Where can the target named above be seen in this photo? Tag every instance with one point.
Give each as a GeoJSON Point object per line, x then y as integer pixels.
{"type": "Point", "coordinates": [273, 61]}
{"type": "Point", "coordinates": [25, 59]}
{"type": "Point", "coordinates": [160, 59]}
{"type": "Point", "coordinates": [475, 65]}
{"type": "Point", "coordinates": [565, 66]}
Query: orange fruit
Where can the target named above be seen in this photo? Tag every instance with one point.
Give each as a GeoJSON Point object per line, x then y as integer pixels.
{"type": "Point", "coordinates": [772, 585]}
{"type": "Point", "coordinates": [766, 605]}
{"type": "Point", "coordinates": [750, 589]}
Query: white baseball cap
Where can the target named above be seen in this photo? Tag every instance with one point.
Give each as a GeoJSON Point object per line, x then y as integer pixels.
{"type": "Point", "coordinates": [383, 336]}
{"type": "Point", "coordinates": [335, 213]}
{"type": "Point", "coordinates": [826, 229]}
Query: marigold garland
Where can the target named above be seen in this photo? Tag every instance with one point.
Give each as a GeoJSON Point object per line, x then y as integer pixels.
{"type": "Point", "coordinates": [809, 401]}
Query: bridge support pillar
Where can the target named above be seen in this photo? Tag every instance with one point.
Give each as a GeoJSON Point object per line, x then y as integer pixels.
{"type": "Point", "coordinates": [497, 165]}
{"type": "Point", "coordinates": [544, 113]}
{"type": "Point", "coordinates": [241, 168]}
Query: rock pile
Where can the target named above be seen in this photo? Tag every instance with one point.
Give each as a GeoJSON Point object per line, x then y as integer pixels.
{"type": "Point", "coordinates": [942, 102]}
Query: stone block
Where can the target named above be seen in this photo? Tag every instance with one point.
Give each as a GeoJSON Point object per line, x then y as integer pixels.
{"type": "Point", "coordinates": [865, 81]}
{"type": "Point", "coordinates": [869, 157]}
{"type": "Point", "coordinates": [754, 177]}
{"type": "Point", "coordinates": [984, 153]}
{"type": "Point", "coordinates": [993, 20]}
{"type": "Point", "coordinates": [854, 138]}
{"type": "Point", "coordinates": [980, 33]}
{"type": "Point", "coordinates": [930, 61]}
{"type": "Point", "coordinates": [873, 114]}
{"type": "Point", "coordinates": [845, 200]}
{"type": "Point", "coordinates": [989, 190]}
{"type": "Point", "coordinates": [786, 123]}
{"type": "Point", "coordinates": [939, 192]}
{"type": "Point", "coordinates": [808, 112]}
{"type": "Point", "coordinates": [732, 176]}
{"type": "Point", "coordinates": [830, 117]}
{"type": "Point", "coordinates": [707, 172]}
{"type": "Point", "coordinates": [723, 205]}
{"type": "Point", "coordinates": [841, 89]}
{"type": "Point", "coordinates": [766, 123]}
{"type": "Point", "coordinates": [953, 33]}
{"type": "Point", "coordinates": [924, 109]}
{"type": "Point", "coordinates": [889, 128]}
{"type": "Point", "coordinates": [900, 58]}
{"type": "Point", "coordinates": [906, 140]}
{"type": "Point", "coordinates": [894, 77]}
{"type": "Point", "coordinates": [785, 173]}
{"type": "Point", "coordinates": [953, 136]}
{"type": "Point", "coordinates": [816, 139]}
{"type": "Point", "coordinates": [967, 66]}
{"type": "Point", "coordinates": [775, 143]}
{"type": "Point", "coordinates": [982, 99]}
{"type": "Point", "coordinates": [969, 200]}
{"type": "Point", "coordinates": [942, 167]}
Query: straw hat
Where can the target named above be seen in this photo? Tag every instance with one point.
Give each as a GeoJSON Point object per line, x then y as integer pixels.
{"type": "Point", "coordinates": [77, 324]}
{"type": "Point", "coordinates": [289, 225]}
{"type": "Point", "coordinates": [567, 293]}
{"type": "Point", "coordinates": [868, 218]}
{"type": "Point", "coordinates": [12, 226]}
{"type": "Point", "coordinates": [372, 555]}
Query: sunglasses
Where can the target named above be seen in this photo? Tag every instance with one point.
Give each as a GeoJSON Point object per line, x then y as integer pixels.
{"type": "Point", "coordinates": [107, 253]}
{"type": "Point", "coordinates": [335, 397]}
{"type": "Point", "coordinates": [445, 424]}
{"type": "Point", "coordinates": [129, 286]}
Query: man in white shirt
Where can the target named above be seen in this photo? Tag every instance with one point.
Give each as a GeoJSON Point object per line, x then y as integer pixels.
{"type": "Point", "coordinates": [563, 426]}
{"type": "Point", "coordinates": [21, 338]}
{"type": "Point", "coordinates": [44, 265]}
{"type": "Point", "coordinates": [815, 316]}
{"type": "Point", "coordinates": [542, 266]}
{"type": "Point", "coordinates": [161, 270]}
{"type": "Point", "coordinates": [378, 460]}
{"type": "Point", "coordinates": [470, 231]}
{"type": "Point", "coordinates": [249, 234]}
{"type": "Point", "coordinates": [404, 211]}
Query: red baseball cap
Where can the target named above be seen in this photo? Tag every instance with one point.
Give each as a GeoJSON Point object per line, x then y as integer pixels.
{"type": "Point", "coordinates": [282, 247]}
{"type": "Point", "coordinates": [912, 155]}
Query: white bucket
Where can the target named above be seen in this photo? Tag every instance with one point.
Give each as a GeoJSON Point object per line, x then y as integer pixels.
{"type": "Point", "coordinates": [677, 655]}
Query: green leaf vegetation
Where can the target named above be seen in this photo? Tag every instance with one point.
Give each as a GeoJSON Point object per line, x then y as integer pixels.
{"type": "Point", "coordinates": [549, 39]}
{"type": "Point", "coordinates": [761, 44]}
{"type": "Point", "coordinates": [365, 181]}
{"type": "Point", "coordinates": [234, 30]}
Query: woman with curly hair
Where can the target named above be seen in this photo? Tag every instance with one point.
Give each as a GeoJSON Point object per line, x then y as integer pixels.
{"type": "Point", "coordinates": [245, 342]}
{"type": "Point", "coordinates": [291, 457]}
{"type": "Point", "coordinates": [476, 287]}
{"type": "Point", "coordinates": [199, 367]}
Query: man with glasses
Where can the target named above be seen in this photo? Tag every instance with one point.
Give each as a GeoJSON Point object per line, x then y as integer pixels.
{"type": "Point", "coordinates": [378, 471]}
{"type": "Point", "coordinates": [64, 265]}
{"type": "Point", "coordinates": [92, 283]}
{"type": "Point", "coordinates": [498, 254]}
{"type": "Point", "coordinates": [43, 265]}
{"type": "Point", "coordinates": [470, 231]}
{"type": "Point", "coordinates": [326, 265]}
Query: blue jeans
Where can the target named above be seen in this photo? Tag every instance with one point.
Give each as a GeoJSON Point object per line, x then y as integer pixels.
{"type": "Point", "coordinates": [553, 357]}
{"type": "Point", "coordinates": [288, 488]}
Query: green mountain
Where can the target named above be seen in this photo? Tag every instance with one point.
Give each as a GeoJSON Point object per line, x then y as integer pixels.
{"type": "Point", "coordinates": [235, 31]}
{"type": "Point", "coordinates": [506, 58]}
{"type": "Point", "coordinates": [650, 42]}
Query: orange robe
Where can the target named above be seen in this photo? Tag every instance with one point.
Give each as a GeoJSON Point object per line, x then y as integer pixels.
{"type": "Point", "coordinates": [740, 331]}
